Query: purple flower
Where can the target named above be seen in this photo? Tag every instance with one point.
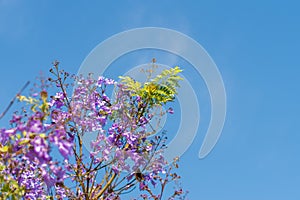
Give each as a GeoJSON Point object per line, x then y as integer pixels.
{"type": "Point", "coordinates": [109, 81]}
{"type": "Point", "coordinates": [58, 172]}
{"type": "Point", "coordinates": [170, 110]}
{"type": "Point", "coordinates": [144, 196]}
{"type": "Point", "coordinates": [115, 169]}
{"type": "Point", "coordinates": [142, 186]}
{"type": "Point", "coordinates": [40, 150]}
{"type": "Point", "coordinates": [106, 81]}
{"type": "Point", "coordinates": [48, 179]}
{"type": "Point", "coordinates": [130, 138]}
{"type": "Point", "coordinates": [60, 192]}
{"type": "Point", "coordinates": [100, 81]}
{"type": "Point", "coordinates": [5, 134]}
{"type": "Point", "coordinates": [15, 119]}
{"type": "Point", "coordinates": [65, 146]}
{"type": "Point", "coordinates": [57, 100]}
{"type": "Point", "coordinates": [36, 126]}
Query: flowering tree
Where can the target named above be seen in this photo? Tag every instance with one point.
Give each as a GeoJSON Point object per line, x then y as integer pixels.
{"type": "Point", "coordinates": [42, 155]}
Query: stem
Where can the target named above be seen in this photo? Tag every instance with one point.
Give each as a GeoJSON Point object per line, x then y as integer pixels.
{"type": "Point", "coordinates": [106, 186]}
{"type": "Point", "coordinates": [78, 158]}
{"type": "Point", "coordinates": [13, 100]}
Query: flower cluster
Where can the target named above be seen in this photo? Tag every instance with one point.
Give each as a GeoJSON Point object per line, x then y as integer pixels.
{"type": "Point", "coordinates": [42, 155]}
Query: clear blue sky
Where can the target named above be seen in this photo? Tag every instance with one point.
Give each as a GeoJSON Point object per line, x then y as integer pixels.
{"type": "Point", "coordinates": [255, 45]}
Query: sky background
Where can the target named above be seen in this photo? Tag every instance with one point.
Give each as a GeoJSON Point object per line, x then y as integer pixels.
{"type": "Point", "coordinates": [255, 45]}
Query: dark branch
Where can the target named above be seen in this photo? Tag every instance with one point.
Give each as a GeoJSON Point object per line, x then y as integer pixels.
{"type": "Point", "coordinates": [13, 99]}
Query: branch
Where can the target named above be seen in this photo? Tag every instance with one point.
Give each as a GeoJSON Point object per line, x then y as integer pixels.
{"type": "Point", "coordinates": [13, 99]}
{"type": "Point", "coordinates": [106, 186]}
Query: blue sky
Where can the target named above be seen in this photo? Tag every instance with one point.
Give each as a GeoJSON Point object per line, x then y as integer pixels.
{"type": "Point", "coordinates": [255, 45]}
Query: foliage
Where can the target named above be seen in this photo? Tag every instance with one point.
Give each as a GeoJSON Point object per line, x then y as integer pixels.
{"type": "Point", "coordinates": [124, 154]}
{"type": "Point", "coordinates": [157, 91]}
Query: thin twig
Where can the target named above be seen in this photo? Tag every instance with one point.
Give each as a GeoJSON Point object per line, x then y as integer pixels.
{"type": "Point", "coordinates": [13, 99]}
